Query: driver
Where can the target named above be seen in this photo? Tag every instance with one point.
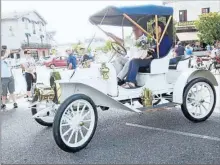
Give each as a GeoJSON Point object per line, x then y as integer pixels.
{"type": "Point", "coordinates": [121, 63]}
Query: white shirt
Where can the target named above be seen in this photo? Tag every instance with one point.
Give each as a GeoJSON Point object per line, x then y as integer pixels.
{"type": "Point", "coordinates": [214, 52]}
{"type": "Point", "coordinates": [30, 65]}
{"type": "Point", "coordinates": [5, 70]}
{"type": "Point", "coordinates": [135, 51]}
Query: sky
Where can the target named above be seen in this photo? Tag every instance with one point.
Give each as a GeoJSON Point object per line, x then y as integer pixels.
{"type": "Point", "coordinates": [70, 18]}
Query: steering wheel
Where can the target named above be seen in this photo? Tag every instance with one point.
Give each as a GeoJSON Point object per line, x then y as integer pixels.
{"type": "Point", "coordinates": [119, 48]}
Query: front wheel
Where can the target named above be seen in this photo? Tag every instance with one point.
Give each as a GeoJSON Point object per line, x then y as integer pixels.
{"type": "Point", "coordinates": [75, 123]}
{"type": "Point", "coordinates": [199, 100]}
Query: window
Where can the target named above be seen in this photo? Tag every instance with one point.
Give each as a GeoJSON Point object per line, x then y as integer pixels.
{"type": "Point", "coordinates": [43, 53]}
{"type": "Point", "coordinates": [183, 15]}
{"type": "Point", "coordinates": [11, 31]}
{"type": "Point", "coordinates": [205, 10]}
{"type": "Point", "coordinates": [57, 59]}
{"type": "Point", "coordinates": [63, 58]}
{"type": "Point", "coordinates": [26, 24]}
{"type": "Point", "coordinates": [40, 27]}
{"type": "Point", "coordinates": [33, 25]}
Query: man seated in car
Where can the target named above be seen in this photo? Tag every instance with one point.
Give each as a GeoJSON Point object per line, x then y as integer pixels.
{"type": "Point", "coordinates": [122, 63]}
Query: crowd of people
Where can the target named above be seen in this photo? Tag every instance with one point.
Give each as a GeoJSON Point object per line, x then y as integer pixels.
{"type": "Point", "coordinates": [7, 77]}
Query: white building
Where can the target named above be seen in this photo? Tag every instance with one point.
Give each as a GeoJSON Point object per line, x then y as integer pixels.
{"type": "Point", "coordinates": [26, 31]}
{"type": "Point", "coordinates": [186, 12]}
{"type": "Point", "coordinates": [190, 10]}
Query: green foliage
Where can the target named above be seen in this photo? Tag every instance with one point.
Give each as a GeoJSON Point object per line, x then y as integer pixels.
{"type": "Point", "coordinates": [106, 48]}
{"type": "Point", "coordinates": [208, 26]}
{"type": "Point", "coordinates": [89, 50]}
{"type": "Point", "coordinates": [56, 75]}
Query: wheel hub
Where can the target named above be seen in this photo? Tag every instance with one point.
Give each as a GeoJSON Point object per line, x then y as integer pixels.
{"type": "Point", "coordinates": [77, 122]}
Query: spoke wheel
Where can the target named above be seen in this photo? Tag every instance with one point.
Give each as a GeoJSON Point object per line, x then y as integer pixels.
{"type": "Point", "coordinates": [75, 123]}
{"type": "Point", "coordinates": [199, 100]}
{"type": "Point", "coordinates": [47, 118]}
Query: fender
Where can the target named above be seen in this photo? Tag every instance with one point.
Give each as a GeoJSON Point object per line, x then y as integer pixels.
{"type": "Point", "coordinates": [100, 98]}
{"type": "Point", "coordinates": [188, 76]}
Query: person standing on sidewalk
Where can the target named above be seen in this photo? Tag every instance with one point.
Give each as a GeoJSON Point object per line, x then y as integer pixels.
{"type": "Point", "coordinates": [7, 79]}
{"type": "Point", "coordinates": [30, 73]}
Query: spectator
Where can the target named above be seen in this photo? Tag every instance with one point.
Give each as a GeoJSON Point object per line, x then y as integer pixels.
{"type": "Point", "coordinates": [215, 50]}
{"type": "Point", "coordinates": [208, 47]}
{"type": "Point", "coordinates": [188, 50]}
{"type": "Point", "coordinates": [7, 79]}
{"type": "Point", "coordinates": [71, 61]}
{"type": "Point", "coordinates": [30, 73]}
{"type": "Point", "coordinates": [180, 51]}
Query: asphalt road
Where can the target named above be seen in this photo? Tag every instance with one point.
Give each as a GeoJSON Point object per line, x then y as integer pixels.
{"type": "Point", "coordinates": [159, 137]}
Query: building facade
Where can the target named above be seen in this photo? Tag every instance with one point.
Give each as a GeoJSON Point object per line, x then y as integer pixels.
{"type": "Point", "coordinates": [186, 13]}
{"type": "Point", "coordinates": [25, 31]}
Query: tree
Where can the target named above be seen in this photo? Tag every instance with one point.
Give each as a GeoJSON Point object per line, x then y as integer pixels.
{"type": "Point", "coordinates": [107, 46]}
{"type": "Point", "coordinates": [208, 26]}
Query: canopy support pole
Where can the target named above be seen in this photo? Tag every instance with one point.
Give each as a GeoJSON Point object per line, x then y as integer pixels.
{"type": "Point", "coordinates": [165, 29]}
{"type": "Point", "coordinates": [123, 37]}
{"type": "Point", "coordinates": [132, 21]}
{"type": "Point", "coordinates": [157, 37]}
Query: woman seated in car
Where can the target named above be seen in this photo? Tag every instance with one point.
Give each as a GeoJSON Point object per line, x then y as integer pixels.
{"type": "Point", "coordinates": [135, 64]}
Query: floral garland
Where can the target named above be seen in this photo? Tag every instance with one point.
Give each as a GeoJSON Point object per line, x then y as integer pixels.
{"type": "Point", "coordinates": [144, 43]}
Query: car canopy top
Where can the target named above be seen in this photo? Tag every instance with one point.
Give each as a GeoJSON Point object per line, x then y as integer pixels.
{"type": "Point", "coordinates": [115, 15]}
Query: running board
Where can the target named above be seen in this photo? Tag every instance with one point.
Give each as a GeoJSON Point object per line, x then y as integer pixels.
{"type": "Point", "coordinates": [159, 107]}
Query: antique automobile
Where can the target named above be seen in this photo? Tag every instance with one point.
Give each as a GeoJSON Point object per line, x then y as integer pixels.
{"type": "Point", "coordinates": [72, 107]}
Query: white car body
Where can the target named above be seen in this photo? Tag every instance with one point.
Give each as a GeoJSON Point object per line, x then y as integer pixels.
{"type": "Point", "coordinates": [107, 93]}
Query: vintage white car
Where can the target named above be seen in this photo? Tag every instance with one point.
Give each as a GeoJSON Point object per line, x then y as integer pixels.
{"type": "Point", "coordinates": [73, 110]}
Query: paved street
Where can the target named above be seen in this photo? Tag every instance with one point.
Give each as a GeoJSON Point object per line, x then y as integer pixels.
{"type": "Point", "coordinates": [158, 137]}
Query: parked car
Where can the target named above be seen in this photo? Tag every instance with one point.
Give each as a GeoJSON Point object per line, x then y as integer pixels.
{"type": "Point", "coordinates": [60, 61]}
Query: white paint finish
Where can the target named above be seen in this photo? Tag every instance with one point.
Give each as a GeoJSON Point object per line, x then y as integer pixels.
{"type": "Point", "coordinates": [97, 96]}
{"type": "Point", "coordinates": [154, 82]}
{"type": "Point", "coordinates": [194, 8]}
{"type": "Point", "coordinates": [180, 85]}
{"type": "Point", "coordinates": [183, 65]}
{"type": "Point", "coordinates": [217, 139]}
{"type": "Point", "coordinates": [19, 29]}
{"type": "Point", "coordinates": [162, 62]}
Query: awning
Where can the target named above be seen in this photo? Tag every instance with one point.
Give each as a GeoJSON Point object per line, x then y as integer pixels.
{"type": "Point", "coordinates": [188, 36]}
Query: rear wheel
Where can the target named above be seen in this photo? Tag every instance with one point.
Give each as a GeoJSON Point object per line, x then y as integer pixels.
{"type": "Point", "coordinates": [75, 123]}
{"type": "Point", "coordinates": [199, 100]}
{"type": "Point", "coordinates": [46, 118]}
{"type": "Point", "coordinates": [52, 66]}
